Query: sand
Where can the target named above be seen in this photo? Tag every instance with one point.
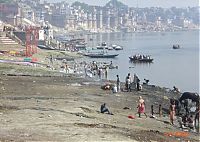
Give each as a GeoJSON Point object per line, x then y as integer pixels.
{"type": "Point", "coordinates": [41, 104]}
{"type": "Point", "coordinates": [67, 109]}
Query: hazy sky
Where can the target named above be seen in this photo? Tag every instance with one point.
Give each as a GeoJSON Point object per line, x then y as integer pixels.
{"type": "Point", "coordinates": [142, 3]}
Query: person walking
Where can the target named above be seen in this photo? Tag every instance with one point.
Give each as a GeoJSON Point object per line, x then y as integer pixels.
{"type": "Point", "coordinates": [118, 83]}
{"type": "Point", "coordinates": [172, 112]}
{"type": "Point", "coordinates": [141, 106]}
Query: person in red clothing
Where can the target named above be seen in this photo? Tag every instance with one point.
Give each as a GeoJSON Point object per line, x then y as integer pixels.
{"type": "Point", "coordinates": [141, 107]}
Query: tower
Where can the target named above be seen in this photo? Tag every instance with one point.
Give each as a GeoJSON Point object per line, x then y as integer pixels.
{"type": "Point", "coordinates": [108, 20]}
{"type": "Point", "coordinates": [94, 20]}
{"type": "Point", "coordinates": [101, 20]}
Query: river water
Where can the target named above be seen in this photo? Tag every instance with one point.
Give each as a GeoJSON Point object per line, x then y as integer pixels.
{"type": "Point", "coordinates": [170, 67]}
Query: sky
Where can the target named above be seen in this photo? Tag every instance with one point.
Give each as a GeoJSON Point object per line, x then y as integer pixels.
{"type": "Point", "coordinates": [141, 3]}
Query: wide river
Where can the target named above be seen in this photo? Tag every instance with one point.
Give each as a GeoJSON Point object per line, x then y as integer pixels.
{"type": "Point", "coordinates": [170, 67]}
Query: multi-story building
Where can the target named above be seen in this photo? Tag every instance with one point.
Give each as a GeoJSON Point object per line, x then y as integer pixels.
{"type": "Point", "coordinates": [8, 12]}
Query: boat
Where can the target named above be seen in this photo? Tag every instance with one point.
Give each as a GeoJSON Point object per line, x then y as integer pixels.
{"type": "Point", "coordinates": [102, 55]}
{"type": "Point", "coordinates": [99, 47]}
{"type": "Point", "coordinates": [177, 46]}
{"type": "Point", "coordinates": [118, 47]}
{"type": "Point", "coordinates": [142, 59]}
{"type": "Point", "coordinates": [46, 47]}
{"type": "Point", "coordinates": [110, 48]}
{"type": "Point", "coordinates": [80, 46]}
{"type": "Point", "coordinates": [103, 45]}
{"type": "Point", "coordinates": [65, 58]}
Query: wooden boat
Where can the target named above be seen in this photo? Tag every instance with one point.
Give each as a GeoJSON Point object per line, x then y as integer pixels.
{"type": "Point", "coordinates": [110, 48]}
{"type": "Point", "coordinates": [102, 55]}
{"type": "Point", "coordinates": [99, 47]}
{"type": "Point", "coordinates": [65, 58]}
{"type": "Point", "coordinates": [103, 45]}
{"type": "Point", "coordinates": [143, 60]}
{"type": "Point", "coordinates": [118, 48]}
{"type": "Point", "coordinates": [177, 46]}
{"type": "Point", "coordinates": [80, 46]}
{"type": "Point", "coordinates": [46, 47]}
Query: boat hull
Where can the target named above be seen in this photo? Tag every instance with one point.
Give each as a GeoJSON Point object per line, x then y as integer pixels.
{"type": "Point", "coordinates": [102, 56]}
{"type": "Point", "coordinates": [176, 47]}
{"type": "Point", "coordinates": [141, 60]}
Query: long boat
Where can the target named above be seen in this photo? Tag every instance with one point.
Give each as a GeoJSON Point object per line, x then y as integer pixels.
{"type": "Point", "coordinates": [143, 60]}
{"type": "Point", "coordinates": [102, 55]}
{"type": "Point", "coordinates": [46, 47]}
{"type": "Point", "coordinates": [177, 46]}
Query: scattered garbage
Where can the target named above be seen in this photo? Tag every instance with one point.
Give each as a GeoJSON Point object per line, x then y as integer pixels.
{"type": "Point", "coordinates": [76, 84]}
{"type": "Point", "coordinates": [126, 108]}
{"type": "Point", "coordinates": [131, 116]}
{"type": "Point", "coordinates": [107, 87]}
{"type": "Point", "coordinates": [166, 98]}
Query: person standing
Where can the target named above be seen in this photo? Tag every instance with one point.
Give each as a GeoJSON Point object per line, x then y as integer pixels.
{"type": "Point", "coordinates": [106, 72]}
{"type": "Point", "coordinates": [141, 106]}
{"type": "Point", "coordinates": [138, 84]}
{"type": "Point", "coordinates": [66, 68]}
{"type": "Point", "coordinates": [196, 118]}
{"type": "Point", "coordinates": [135, 80]}
{"type": "Point", "coordinates": [118, 83]}
{"type": "Point", "coordinates": [172, 112]}
{"type": "Point", "coordinates": [128, 84]}
{"type": "Point", "coordinates": [51, 59]}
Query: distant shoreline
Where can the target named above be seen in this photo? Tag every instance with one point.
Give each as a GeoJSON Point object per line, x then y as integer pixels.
{"type": "Point", "coordinates": [96, 33]}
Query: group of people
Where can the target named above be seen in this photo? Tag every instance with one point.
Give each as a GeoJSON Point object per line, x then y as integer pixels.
{"type": "Point", "coordinates": [185, 120]}
{"type": "Point", "coordinates": [138, 57]}
{"type": "Point", "coordinates": [135, 83]}
{"type": "Point", "coordinates": [129, 83]}
{"type": "Point", "coordinates": [97, 70]}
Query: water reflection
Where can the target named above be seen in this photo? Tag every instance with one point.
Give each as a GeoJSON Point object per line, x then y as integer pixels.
{"type": "Point", "coordinates": [136, 63]}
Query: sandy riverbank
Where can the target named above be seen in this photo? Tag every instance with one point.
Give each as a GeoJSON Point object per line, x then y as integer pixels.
{"type": "Point", "coordinates": [67, 109]}
{"type": "Point", "coordinates": [40, 104]}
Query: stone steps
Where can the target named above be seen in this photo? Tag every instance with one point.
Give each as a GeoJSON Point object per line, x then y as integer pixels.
{"type": "Point", "coordinates": [7, 41]}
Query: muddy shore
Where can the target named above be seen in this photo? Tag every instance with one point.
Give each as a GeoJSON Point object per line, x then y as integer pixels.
{"type": "Point", "coordinates": [40, 104]}
{"type": "Point", "coordinates": [67, 109]}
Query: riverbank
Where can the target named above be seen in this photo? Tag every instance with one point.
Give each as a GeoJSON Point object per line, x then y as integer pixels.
{"type": "Point", "coordinates": [66, 108]}
{"type": "Point", "coordinates": [38, 102]}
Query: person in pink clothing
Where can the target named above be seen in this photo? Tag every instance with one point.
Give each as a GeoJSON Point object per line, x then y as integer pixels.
{"type": "Point", "coordinates": [141, 107]}
{"type": "Point", "coordinates": [172, 112]}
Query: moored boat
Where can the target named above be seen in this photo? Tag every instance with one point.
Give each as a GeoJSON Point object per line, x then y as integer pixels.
{"type": "Point", "coordinates": [177, 46]}
{"type": "Point", "coordinates": [46, 47]}
{"type": "Point", "coordinates": [117, 47]}
{"type": "Point", "coordinates": [103, 45]}
{"type": "Point", "coordinates": [80, 46]}
{"type": "Point", "coordinates": [110, 48]}
{"type": "Point", "coordinates": [102, 55]}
